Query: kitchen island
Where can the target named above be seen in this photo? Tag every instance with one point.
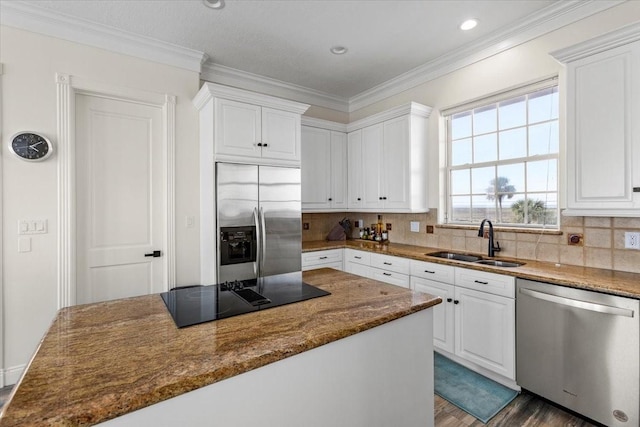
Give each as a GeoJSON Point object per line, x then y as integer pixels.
{"type": "Point", "coordinates": [361, 356]}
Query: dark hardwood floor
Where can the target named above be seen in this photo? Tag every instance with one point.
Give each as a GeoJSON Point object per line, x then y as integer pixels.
{"type": "Point", "coordinates": [525, 410]}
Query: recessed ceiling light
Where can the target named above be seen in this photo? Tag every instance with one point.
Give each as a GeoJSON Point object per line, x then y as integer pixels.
{"type": "Point", "coordinates": [338, 50]}
{"type": "Point", "coordinates": [214, 4]}
{"type": "Point", "coordinates": [468, 24]}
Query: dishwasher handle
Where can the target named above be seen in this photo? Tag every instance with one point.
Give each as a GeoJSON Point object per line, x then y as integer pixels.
{"type": "Point", "coordinates": [585, 305]}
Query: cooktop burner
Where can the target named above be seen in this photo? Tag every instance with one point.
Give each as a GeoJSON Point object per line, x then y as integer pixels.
{"type": "Point", "coordinates": [198, 304]}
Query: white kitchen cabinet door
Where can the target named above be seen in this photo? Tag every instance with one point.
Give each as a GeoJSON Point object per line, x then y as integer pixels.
{"type": "Point", "coordinates": [355, 159]}
{"type": "Point", "coordinates": [238, 128]}
{"type": "Point", "coordinates": [485, 330]}
{"type": "Point", "coordinates": [603, 133]}
{"type": "Point", "coordinates": [372, 140]}
{"type": "Point", "coordinates": [338, 175]}
{"type": "Point", "coordinates": [280, 134]}
{"type": "Point", "coordinates": [316, 168]}
{"type": "Point", "coordinates": [396, 171]}
{"type": "Point", "coordinates": [443, 313]}
{"type": "Point", "coordinates": [357, 269]}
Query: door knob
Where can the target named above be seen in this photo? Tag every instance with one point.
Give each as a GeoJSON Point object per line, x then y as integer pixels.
{"type": "Point", "coordinates": [154, 254]}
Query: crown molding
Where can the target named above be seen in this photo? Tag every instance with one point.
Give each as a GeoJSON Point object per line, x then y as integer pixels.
{"type": "Point", "coordinates": [625, 35]}
{"type": "Point", "coordinates": [216, 73]}
{"type": "Point", "coordinates": [323, 124]}
{"type": "Point", "coordinates": [39, 20]}
{"type": "Point", "coordinates": [412, 108]}
{"type": "Point", "coordinates": [535, 25]}
{"type": "Point", "coordinates": [214, 90]}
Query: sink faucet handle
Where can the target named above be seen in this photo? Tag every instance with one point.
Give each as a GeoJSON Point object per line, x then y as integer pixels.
{"type": "Point", "coordinates": [497, 247]}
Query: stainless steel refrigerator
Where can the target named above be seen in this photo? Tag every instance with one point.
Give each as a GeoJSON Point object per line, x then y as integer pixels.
{"type": "Point", "coordinates": [258, 226]}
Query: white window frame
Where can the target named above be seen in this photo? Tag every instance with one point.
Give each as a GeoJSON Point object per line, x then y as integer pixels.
{"type": "Point", "coordinates": [485, 101]}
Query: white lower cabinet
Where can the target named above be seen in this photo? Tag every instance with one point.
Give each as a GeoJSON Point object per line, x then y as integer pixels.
{"type": "Point", "coordinates": [476, 321]}
{"type": "Point", "coordinates": [331, 258]}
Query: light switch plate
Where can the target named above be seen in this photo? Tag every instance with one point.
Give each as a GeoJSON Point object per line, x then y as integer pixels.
{"type": "Point", "coordinates": [24, 244]}
{"type": "Point", "coordinates": [415, 226]}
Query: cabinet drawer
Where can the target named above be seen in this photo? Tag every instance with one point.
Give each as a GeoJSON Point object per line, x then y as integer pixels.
{"type": "Point", "coordinates": [359, 257]}
{"type": "Point", "coordinates": [492, 283]}
{"type": "Point", "coordinates": [432, 271]}
{"type": "Point", "coordinates": [321, 257]}
{"type": "Point", "coordinates": [335, 265]}
{"type": "Point", "coordinates": [390, 263]}
{"type": "Point", "coordinates": [390, 277]}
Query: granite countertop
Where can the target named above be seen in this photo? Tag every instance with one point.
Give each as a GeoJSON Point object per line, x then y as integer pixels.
{"type": "Point", "coordinates": [99, 361]}
{"type": "Point", "coordinates": [595, 279]}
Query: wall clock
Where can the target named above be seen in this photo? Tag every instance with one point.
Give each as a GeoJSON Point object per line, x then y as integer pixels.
{"type": "Point", "coordinates": [30, 146]}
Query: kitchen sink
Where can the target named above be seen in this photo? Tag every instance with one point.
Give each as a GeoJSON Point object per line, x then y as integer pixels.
{"type": "Point", "coordinates": [455, 256]}
{"type": "Point", "coordinates": [497, 263]}
{"type": "Point", "coordinates": [475, 259]}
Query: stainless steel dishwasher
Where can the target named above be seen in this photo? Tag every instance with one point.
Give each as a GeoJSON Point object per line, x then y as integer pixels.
{"type": "Point", "coordinates": [579, 349]}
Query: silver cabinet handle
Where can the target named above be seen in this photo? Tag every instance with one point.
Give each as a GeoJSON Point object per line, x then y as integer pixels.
{"type": "Point", "coordinates": [585, 305]}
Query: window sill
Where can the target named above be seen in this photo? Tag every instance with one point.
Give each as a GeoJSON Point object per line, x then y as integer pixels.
{"type": "Point", "coordinates": [504, 229]}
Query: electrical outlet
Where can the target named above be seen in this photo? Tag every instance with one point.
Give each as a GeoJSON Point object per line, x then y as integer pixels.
{"type": "Point", "coordinates": [388, 226]}
{"type": "Point", "coordinates": [574, 239]}
{"type": "Point", "coordinates": [415, 226]}
{"type": "Point", "coordinates": [305, 225]}
{"type": "Point", "coordinates": [631, 240]}
{"type": "Point", "coordinates": [430, 229]}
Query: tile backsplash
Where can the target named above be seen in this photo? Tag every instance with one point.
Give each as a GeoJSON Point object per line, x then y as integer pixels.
{"type": "Point", "coordinates": [602, 244]}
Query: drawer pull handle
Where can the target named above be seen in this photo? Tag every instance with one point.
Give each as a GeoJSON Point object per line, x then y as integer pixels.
{"type": "Point", "coordinates": [387, 263]}
{"type": "Point", "coordinates": [430, 272]}
{"type": "Point", "coordinates": [323, 257]}
{"type": "Point", "coordinates": [449, 299]}
{"type": "Point", "coordinates": [387, 274]}
{"type": "Point", "coordinates": [456, 301]}
{"type": "Point", "coordinates": [481, 282]}
{"type": "Point", "coordinates": [357, 257]}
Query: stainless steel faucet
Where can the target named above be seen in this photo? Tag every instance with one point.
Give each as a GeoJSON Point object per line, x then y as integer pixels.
{"type": "Point", "coordinates": [492, 249]}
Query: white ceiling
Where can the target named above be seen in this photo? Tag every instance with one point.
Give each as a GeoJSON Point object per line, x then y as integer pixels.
{"type": "Point", "coordinates": [289, 40]}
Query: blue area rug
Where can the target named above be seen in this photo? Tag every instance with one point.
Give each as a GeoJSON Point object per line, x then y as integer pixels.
{"type": "Point", "coordinates": [477, 395]}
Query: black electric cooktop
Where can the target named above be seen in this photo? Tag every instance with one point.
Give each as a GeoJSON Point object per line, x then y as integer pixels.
{"type": "Point", "coordinates": [192, 305]}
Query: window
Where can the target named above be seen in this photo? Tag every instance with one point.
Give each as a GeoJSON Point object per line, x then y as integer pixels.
{"type": "Point", "coordinates": [502, 161]}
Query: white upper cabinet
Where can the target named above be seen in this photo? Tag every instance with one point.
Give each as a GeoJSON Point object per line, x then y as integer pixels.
{"type": "Point", "coordinates": [242, 126]}
{"type": "Point", "coordinates": [324, 166]}
{"type": "Point", "coordinates": [388, 161]}
{"type": "Point", "coordinates": [603, 130]}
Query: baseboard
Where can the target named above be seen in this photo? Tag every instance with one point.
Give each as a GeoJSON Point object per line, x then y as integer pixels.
{"type": "Point", "coordinates": [11, 375]}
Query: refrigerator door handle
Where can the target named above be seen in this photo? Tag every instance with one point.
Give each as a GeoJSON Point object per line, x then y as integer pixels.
{"type": "Point", "coordinates": [263, 239]}
{"type": "Point", "coordinates": [257, 264]}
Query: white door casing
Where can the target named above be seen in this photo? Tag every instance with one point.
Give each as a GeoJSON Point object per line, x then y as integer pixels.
{"type": "Point", "coordinates": [68, 87]}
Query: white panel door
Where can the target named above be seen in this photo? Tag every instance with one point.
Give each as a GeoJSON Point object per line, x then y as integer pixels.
{"type": "Point", "coordinates": [338, 170]}
{"type": "Point", "coordinates": [355, 158]}
{"type": "Point", "coordinates": [119, 201]}
{"type": "Point", "coordinates": [238, 128]}
{"type": "Point", "coordinates": [280, 134]}
{"type": "Point", "coordinates": [372, 138]}
{"type": "Point", "coordinates": [394, 186]}
{"type": "Point", "coordinates": [485, 330]}
{"type": "Point", "coordinates": [442, 313]}
{"type": "Point", "coordinates": [316, 168]}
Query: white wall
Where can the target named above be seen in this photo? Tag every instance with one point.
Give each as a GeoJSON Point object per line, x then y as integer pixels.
{"type": "Point", "coordinates": [29, 190]}
{"type": "Point", "coordinates": [522, 64]}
